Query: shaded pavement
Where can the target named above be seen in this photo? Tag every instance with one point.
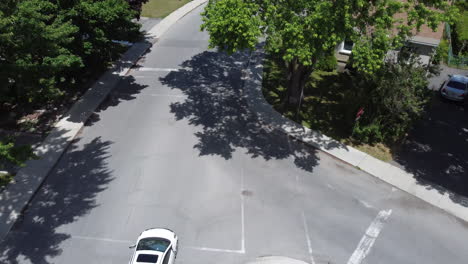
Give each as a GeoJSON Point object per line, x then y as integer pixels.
{"type": "Point", "coordinates": [436, 149]}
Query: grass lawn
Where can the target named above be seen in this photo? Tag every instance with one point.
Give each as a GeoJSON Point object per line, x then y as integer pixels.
{"type": "Point", "coordinates": [161, 8]}
{"type": "Point", "coordinates": [328, 106]}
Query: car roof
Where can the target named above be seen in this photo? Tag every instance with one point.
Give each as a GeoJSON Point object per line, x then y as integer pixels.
{"type": "Point", "coordinates": [148, 252]}
{"type": "Point", "coordinates": [459, 78]}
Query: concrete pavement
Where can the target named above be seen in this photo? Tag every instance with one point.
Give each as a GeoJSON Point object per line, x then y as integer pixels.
{"type": "Point", "coordinates": [176, 145]}
{"type": "Point", "coordinates": [407, 181]}
{"type": "Point", "coordinates": [16, 196]}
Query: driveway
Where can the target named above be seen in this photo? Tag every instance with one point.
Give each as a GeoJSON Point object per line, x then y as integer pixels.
{"type": "Point", "coordinates": [436, 150]}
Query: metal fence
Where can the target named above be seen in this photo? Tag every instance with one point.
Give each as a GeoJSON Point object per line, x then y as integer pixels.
{"type": "Point", "coordinates": [454, 60]}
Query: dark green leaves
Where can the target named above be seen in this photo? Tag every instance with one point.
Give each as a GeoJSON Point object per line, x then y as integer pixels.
{"type": "Point", "coordinates": [46, 45]}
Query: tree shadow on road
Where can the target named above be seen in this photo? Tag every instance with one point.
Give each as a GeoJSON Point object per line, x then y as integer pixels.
{"type": "Point", "coordinates": [436, 150]}
{"type": "Point", "coordinates": [67, 194]}
{"type": "Point", "coordinates": [97, 95]}
{"type": "Point", "coordinates": [212, 82]}
{"type": "Point", "coordinates": [127, 90]}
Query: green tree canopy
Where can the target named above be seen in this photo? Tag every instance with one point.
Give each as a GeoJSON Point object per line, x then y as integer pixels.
{"type": "Point", "coordinates": [48, 45]}
{"type": "Point", "coordinates": [303, 32]}
{"type": "Point", "coordinates": [34, 50]}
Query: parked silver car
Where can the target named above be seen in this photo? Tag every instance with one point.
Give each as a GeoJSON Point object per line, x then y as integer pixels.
{"type": "Point", "coordinates": [456, 88]}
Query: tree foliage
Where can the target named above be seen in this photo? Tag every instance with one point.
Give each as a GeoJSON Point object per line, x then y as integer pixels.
{"type": "Point", "coordinates": [460, 30]}
{"type": "Point", "coordinates": [34, 50]}
{"type": "Point", "coordinates": [46, 46]}
{"type": "Point", "coordinates": [393, 98]}
{"type": "Point", "coordinates": [303, 32]}
{"type": "Point", "coordinates": [137, 5]}
{"type": "Point", "coordinates": [14, 155]}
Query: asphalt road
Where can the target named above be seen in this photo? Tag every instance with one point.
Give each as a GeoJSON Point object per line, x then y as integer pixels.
{"type": "Point", "coordinates": [176, 146]}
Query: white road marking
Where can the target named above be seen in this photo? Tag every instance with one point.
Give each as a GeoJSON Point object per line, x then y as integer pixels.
{"type": "Point", "coordinates": [147, 69]}
{"type": "Point", "coordinates": [297, 184]}
{"type": "Point", "coordinates": [169, 95]}
{"type": "Point", "coordinates": [242, 213]}
{"type": "Point", "coordinates": [309, 243]}
{"type": "Point", "coordinates": [367, 241]}
{"type": "Point", "coordinates": [366, 204]}
{"type": "Point", "coordinates": [218, 250]}
{"type": "Point", "coordinates": [131, 242]}
{"type": "Point", "coordinates": [103, 239]}
{"type": "Point", "coordinates": [113, 95]}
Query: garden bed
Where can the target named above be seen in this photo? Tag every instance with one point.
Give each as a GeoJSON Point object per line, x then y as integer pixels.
{"type": "Point", "coordinates": [329, 106]}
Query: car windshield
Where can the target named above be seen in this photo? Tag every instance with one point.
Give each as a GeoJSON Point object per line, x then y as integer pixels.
{"type": "Point", "coordinates": [457, 85]}
{"type": "Point", "coordinates": [153, 243]}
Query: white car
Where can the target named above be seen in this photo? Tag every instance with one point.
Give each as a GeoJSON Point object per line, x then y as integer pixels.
{"type": "Point", "coordinates": [155, 245]}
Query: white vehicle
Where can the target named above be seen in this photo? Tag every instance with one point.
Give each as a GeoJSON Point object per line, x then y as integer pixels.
{"type": "Point", "coordinates": [155, 245]}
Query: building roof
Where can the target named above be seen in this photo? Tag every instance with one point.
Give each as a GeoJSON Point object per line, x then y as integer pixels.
{"type": "Point", "coordinates": [418, 39]}
{"type": "Point", "coordinates": [425, 35]}
{"type": "Point", "coordinates": [428, 33]}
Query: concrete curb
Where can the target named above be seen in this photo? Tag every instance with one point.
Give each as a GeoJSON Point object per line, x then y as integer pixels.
{"type": "Point", "coordinates": [17, 195]}
{"type": "Point", "coordinates": [375, 167]}
{"type": "Point", "coordinates": [167, 22]}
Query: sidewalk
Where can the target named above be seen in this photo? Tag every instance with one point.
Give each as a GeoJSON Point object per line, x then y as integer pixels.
{"type": "Point", "coordinates": [16, 196]}
{"type": "Point", "coordinates": [375, 167]}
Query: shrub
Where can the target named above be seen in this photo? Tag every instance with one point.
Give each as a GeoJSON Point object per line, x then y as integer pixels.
{"type": "Point", "coordinates": [394, 98]}
{"type": "Point", "coordinates": [327, 63]}
{"type": "Point", "coordinates": [441, 54]}
{"type": "Point", "coordinates": [370, 133]}
{"type": "Point", "coordinates": [15, 155]}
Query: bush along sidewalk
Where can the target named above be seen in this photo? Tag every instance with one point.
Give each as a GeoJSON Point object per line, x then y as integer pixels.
{"type": "Point", "coordinates": [11, 156]}
{"type": "Point", "coordinates": [370, 112]}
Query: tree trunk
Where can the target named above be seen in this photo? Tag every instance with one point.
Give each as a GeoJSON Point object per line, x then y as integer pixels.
{"type": "Point", "coordinates": [294, 89]}
{"type": "Point", "coordinates": [298, 77]}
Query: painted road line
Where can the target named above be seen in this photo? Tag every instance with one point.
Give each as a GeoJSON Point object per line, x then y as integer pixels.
{"type": "Point", "coordinates": [242, 250]}
{"type": "Point", "coordinates": [115, 95]}
{"type": "Point", "coordinates": [368, 240]}
{"type": "Point", "coordinates": [217, 250]}
{"type": "Point", "coordinates": [84, 238]}
{"type": "Point", "coordinates": [242, 212]}
{"type": "Point", "coordinates": [103, 239]}
{"type": "Point", "coordinates": [148, 69]}
{"type": "Point", "coordinates": [169, 95]}
{"type": "Point", "coordinates": [131, 242]}
{"type": "Point", "coordinates": [309, 243]}
{"type": "Point", "coordinates": [365, 204]}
